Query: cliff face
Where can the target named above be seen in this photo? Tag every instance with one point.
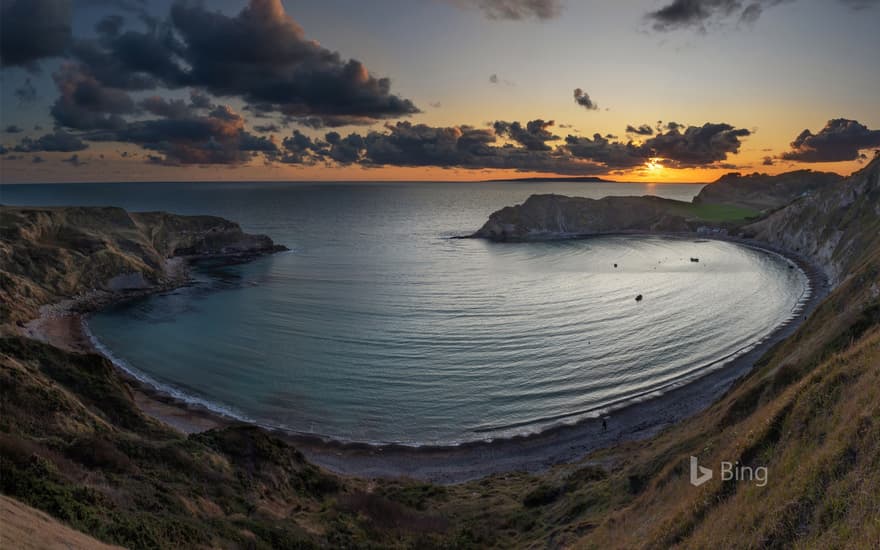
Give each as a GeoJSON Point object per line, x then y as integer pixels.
{"type": "Point", "coordinates": [50, 253]}
{"type": "Point", "coordinates": [764, 192]}
{"type": "Point", "coordinates": [555, 215]}
{"type": "Point", "coordinates": [838, 226]}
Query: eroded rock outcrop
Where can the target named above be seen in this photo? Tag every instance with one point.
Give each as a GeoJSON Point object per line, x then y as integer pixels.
{"type": "Point", "coordinates": [48, 253]}
{"type": "Point", "coordinates": [763, 192]}
{"type": "Point", "coordinates": [837, 227]}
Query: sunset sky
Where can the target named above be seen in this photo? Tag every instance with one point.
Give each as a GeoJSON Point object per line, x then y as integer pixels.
{"type": "Point", "coordinates": [642, 90]}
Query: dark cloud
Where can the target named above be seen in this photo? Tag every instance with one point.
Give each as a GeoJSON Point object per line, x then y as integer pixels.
{"type": "Point", "coordinates": [768, 161]}
{"type": "Point", "coordinates": [705, 145]}
{"type": "Point", "coordinates": [31, 30]}
{"type": "Point", "coordinates": [184, 137]}
{"type": "Point", "coordinates": [840, 140]}
{"type": "Point", "coordinates": [110, 26]}
{"type": "Point", "coordinates": [642, 130]}
{"type": "Point", "coordinates": [582, 98]}
{"type": "Point", "coordinates": [159, 106]}
{"type": "Point", "coordinates": [301, 149]}
{"type": "Point", "coordinates": [612, 154]}
{"type": "Point", "coordinates": [267, 128]}
{"type": "Point", "coordinates": [528, 149]}
{"type": "Point", "coordinates": [534, 136]}
{"type": "Point", "coordinates": [493, 78]}
{"type": "Point", "coordinates": [414, 145]}
{"type": "Point", "coordinates": [262, 56]}
{"type": "Point", "coordinates": [59, 141]}
{"type": "Point", "coordinates": [515, 10]}
{"type": "Point", "coordinates": [13, 129]}
{"type": "Point", "coordinates": [86, 104]}
{"type": "Point", "coordinates": [697, 145]}
{"type": "Point", "coordinates": [200, 100]}
{"type": "Point", "coordinates": [701, 14]}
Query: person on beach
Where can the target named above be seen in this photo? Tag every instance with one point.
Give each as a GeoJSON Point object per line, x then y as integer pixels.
{"type": "Point", "coordinates": [604, 424]}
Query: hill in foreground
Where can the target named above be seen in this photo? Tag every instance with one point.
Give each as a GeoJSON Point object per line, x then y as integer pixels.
{"type": "Point", "coordinates": [74, 445]}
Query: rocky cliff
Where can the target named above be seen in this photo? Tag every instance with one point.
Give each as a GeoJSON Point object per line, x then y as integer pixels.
{"type": "Point", "coordinates": [557, 215]}
{"type": "Point", "coordinates": [764, 192]}
{"type": "Point", "coordinates": [837, 226]}
{"type": "Point", "coordinates": [51, 253]}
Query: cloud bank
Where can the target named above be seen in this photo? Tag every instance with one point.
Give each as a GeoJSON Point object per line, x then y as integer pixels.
{"type": "Point", "coordinates": [840, 140]}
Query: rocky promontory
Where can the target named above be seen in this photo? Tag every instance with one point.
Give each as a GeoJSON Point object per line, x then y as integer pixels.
{"type": "Point", "coordinates": [553, 216]}
{"type": "Point", "coordinates": [763, 192]}
{"type": "Point", "coordinates": [47, 254]}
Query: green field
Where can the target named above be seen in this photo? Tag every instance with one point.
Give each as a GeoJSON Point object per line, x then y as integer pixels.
{"type": "Point", "coordinates": [718, 212]}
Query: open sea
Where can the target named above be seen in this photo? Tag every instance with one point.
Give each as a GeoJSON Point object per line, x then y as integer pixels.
{"type": "Point", "coordinates": [377, 327]}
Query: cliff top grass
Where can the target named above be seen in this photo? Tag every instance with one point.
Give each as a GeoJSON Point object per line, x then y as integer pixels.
{"type": "Point", "coordinates": [718, 213]}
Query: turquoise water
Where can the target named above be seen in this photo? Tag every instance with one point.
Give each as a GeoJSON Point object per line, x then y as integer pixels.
{"type": "Point", "coordinates": [377, 327]}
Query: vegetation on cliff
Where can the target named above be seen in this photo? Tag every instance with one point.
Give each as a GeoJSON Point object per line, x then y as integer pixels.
{"type": "Point", "coordinates": [73, 444]}
{"type": "Point", "coordinates": [763, 192]}
{"type": "Point", "coordinates": [47, 254]}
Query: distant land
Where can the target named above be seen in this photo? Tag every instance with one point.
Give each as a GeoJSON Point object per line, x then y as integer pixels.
{"type": "Point", "coordinates": [575, 179]}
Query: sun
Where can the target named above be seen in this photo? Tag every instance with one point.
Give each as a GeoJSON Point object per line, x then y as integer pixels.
{"type": "Point", "coordinates": [653, 165]}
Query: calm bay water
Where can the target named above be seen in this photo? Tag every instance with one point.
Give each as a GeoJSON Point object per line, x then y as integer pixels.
{"type": "Point", "coordinates": [377, 327]}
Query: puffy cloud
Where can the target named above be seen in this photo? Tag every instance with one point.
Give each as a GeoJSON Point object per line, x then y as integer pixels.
{"type": "Point", "coordinates": [515, 10]}
{"type": "Point", "coordinates": [86, 104]}
{"type": "Point", "coordinates": [534, 136]}
{"type": "Point", "coordinates": [31, 30]}
{"type": "Point", "coordinates": [262, 55]}
{"type": "Point", "coordinates": [705, 145]}
{"type": "Point", "coordinates": [697, 145]}
{"type": "Point", "coordinates": [642, 130]}
{"type": "Point", "coordinates": [840, 140]}
{"type": "Point", "coordinates": [612, 154]}
{"type": "Point", "coordinates": [186, 138]}
{"type": "Point", "coordinates": [407, 144]}
{"type": "Point", "coordinates": [582, 98]}
{"type": "Point", "coordinates": [59, 141]}
{"type": "Point", "coordinates": [529, 149]}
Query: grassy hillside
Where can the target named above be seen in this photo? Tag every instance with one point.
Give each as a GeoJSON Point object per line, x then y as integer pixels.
{"type": "Point", "coordinates": [47, 254]}
{"type": "Point", "coordinates": [761, 192]}
{"type": "Point", "coordinates": [73, 444]}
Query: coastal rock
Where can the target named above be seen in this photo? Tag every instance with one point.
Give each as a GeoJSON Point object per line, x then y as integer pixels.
{"type": "Point", "coordinates": [764, 192]}
{"type": "Point", "coordinates": [549, 216]}
{"type": "Point", "coordinates": [49, 253]}
{"type": "Point", "coordinates": [837, 227]}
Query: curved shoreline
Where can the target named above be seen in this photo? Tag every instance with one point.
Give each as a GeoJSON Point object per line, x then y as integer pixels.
{"type": "Point", "coordinates": [533, 452]}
